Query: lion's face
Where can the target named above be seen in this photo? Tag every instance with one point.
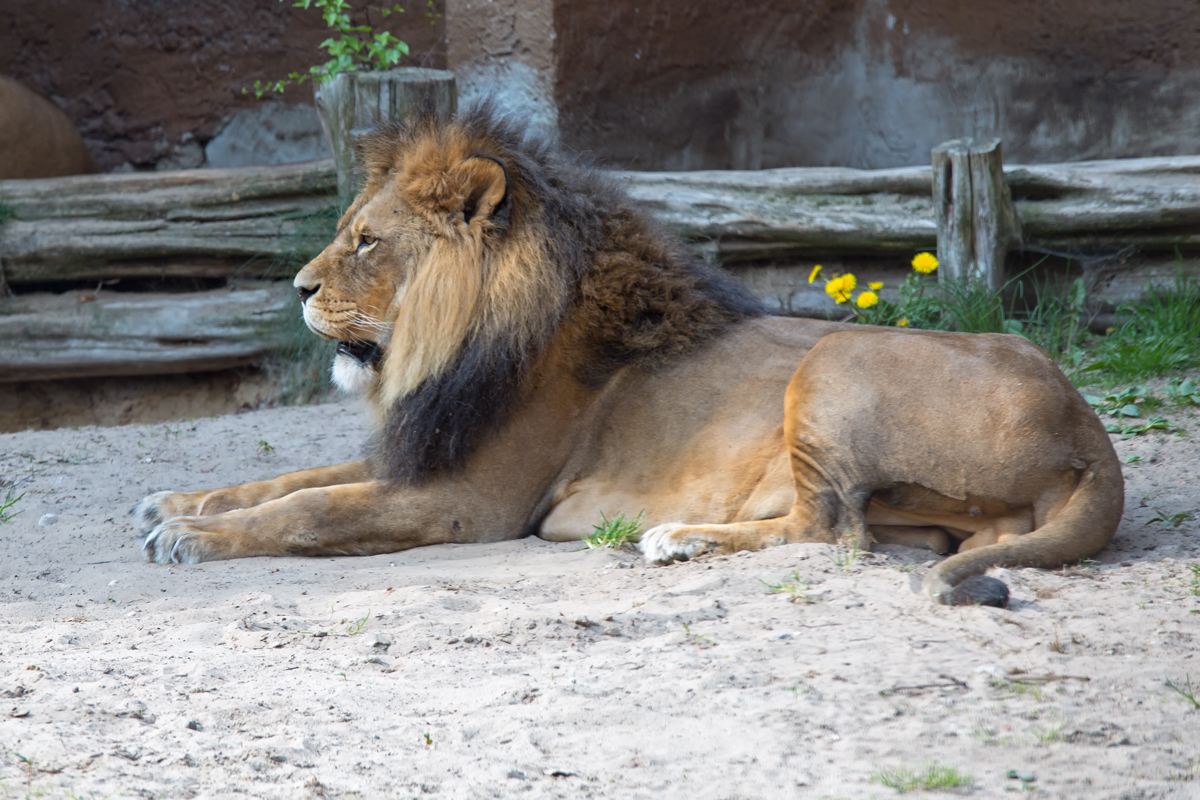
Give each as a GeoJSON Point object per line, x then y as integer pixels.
{"type": "Point", "coordinates": [353, 290]}
{"type": "Point", "coordinates": [399, 287]}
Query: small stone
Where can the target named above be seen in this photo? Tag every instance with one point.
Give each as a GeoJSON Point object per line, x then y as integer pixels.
{"type": "Point", "coordinates": [517, 775]}
{"type": "Point", "coordinates": [47, 520]}
{"type": "Point", "coordinates": [192, 725]}
{"type": "Point", "coordinates": [1027, 777]}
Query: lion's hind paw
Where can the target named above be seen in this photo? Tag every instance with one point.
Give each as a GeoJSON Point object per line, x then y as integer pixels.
{"type": "Point", "coordinates": [663, 544]}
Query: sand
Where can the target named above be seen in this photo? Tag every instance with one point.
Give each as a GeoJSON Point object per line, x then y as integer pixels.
{"type": "Point", "coordinates": [536, 669]}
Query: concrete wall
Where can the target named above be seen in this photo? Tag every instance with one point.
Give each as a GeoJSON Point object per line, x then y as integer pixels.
{"type": "Point", "coordinates": [658, 84]}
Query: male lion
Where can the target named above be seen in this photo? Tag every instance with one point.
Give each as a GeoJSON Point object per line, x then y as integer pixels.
{"type": "Point", "coordinates": [535, 352]}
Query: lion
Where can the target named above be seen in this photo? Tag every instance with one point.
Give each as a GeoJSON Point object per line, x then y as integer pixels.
{"type": "Point", "coordinates": [36, 138]}
{"type": "Point", "coordinates": [536, 353]}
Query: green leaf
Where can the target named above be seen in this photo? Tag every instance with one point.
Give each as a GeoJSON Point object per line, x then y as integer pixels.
{"type": "Point", "coordinates": [1129, 410]}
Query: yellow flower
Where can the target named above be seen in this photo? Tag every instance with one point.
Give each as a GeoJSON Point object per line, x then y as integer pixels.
{"type": "Point", "coordinates": [839, 288]}
{"type": "Point", "coordinates": [812, 276]}
{"type": "Point", "coordinates": [924, 262]}
{"type": "Point", "coordinates": [867, 299]}
{"type": "Point", "coordinates": [875, 286]}
{"type": "Point", "coordinates": [903, 323]}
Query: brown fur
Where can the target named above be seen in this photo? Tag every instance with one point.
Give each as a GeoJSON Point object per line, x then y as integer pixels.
{"type": "Point", "coordinates": [537, 353]}
{"type": "Point", "coordinates": [36, 138]}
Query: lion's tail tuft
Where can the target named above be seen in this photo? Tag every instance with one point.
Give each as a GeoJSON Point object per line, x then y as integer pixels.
{"type": "Point", "coordinates": [1081, 529]}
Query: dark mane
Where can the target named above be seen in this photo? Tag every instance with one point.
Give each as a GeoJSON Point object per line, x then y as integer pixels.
{"type": "Point", "coordinates": [628, 293]}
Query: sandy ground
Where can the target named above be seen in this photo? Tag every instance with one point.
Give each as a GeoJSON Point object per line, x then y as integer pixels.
{"type": "Point", "coordinates": [536, 669]}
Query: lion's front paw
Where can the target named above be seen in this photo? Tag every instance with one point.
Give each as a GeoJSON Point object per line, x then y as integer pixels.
{"type": "Point", "coordinates": [179, 541]}
{"type": "Point", "coordinates": [149, 511]}
{"type": "Point", "coordinates": [673, 541]}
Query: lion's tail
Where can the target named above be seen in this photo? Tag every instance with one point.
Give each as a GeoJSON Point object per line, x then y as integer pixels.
{"type": "Point", "coordinates": [1080, 529]}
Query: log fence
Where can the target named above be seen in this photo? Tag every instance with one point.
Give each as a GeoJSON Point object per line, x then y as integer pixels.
{"type": "Point", "coordinates": [221, 224]}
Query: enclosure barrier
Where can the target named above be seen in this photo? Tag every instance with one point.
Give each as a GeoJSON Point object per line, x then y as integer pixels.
{"type": "Point", "coordinates": [1122, 219]}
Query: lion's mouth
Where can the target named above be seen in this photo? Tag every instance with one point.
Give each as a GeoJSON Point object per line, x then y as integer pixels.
{"type": "Point", "coordinates": [363, 352]}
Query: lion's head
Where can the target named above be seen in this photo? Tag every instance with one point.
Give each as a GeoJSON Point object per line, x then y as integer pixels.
{"type": "Point", "coordinates": [462, 260]}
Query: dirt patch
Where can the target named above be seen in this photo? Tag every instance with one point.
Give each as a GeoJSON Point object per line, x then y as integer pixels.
{"type": "Point", "coordinates": [41, 405]}
{"type": "Point", "coordinates": [538, 668]}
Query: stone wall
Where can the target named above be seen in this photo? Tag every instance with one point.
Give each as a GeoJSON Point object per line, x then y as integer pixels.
{"type": "Point", "coordinates": [151, 83]}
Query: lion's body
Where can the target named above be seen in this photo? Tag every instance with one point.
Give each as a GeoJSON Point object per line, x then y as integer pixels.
{"type": "Point", "coordinates": [537, 355]}
{"type": "Point", "coordinates": [36, 138]}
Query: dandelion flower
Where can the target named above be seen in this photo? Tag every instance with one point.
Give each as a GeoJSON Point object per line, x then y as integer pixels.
{"type": "Point", "coordinates": [924, 263]}
{"type": "Point", "coordinates": [812, 276]}
{"type": "Point", "coordinates": [903, 322]}
{"type": "Point", "coordinates": [839, 288]}
{"type": "Point", "coordinates": [867, 299]}
{"type": "Point", "coordinates": [875, 286]}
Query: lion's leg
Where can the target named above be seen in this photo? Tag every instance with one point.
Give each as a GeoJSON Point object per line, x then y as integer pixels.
{"type": "Point", "coordinates": [804, 523]}
{"type": "Point", "coordinates": [935, 539]}
{"type": "Point", "coordinates": [1001, 529]}
{"type": "Point", "coordinates": [161, 506]}
{"type": "Point", "coordinates": [349, 519]}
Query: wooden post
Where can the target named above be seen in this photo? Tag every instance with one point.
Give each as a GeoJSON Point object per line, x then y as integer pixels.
{"type": "Point", "coordinates": [355, 102]}
{"type": "Point", "coordinates": [976, 221]}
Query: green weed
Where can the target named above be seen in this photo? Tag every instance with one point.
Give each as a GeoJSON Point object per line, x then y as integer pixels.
{"type": "Point", "coordinates": [1161, 334]}
{"type": "Point", "coordinates": [615, 533]}
{"type": "Point", "coordinates": [793, 587]}
{"type": "Point", "coordinates": [1174, 520]}
{"type": "Point", "coordinates": [8, 502]}
{"type": "Point", "coordinates": [845, 557]}
{"type": "Point", "coordinates": [1185, 691]}
{"type": "Point", "coordinates": [934, 778]}
{"type": "Point", "coordinates": [263, 449]}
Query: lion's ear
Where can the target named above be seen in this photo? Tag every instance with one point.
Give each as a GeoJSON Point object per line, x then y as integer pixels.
{"type": "Point", "coordinates": [482, 191]}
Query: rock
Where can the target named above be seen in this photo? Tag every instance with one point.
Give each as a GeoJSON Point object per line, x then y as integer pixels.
{"type": "Point", "coordinates": [47, 520]}
{"type": "Point", "coordinates": [273, 133]}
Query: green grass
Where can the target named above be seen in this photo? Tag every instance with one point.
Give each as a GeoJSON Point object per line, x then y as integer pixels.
{"type": "Point", "coordinates": [934, 778]}
{"type": "Point", "coordinates": [8, 502]}
{"type": "Point", "coordinates": [1161, 335]}
{"type": "Point", "coordinates": [615, 533]}
{"type": "Point", "coordinates": [793, 587]}
{"type": "Point", "coordinates": [1185, 691]}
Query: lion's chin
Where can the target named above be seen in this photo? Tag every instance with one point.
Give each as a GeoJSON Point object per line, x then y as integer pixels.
{"type": "Point", "coordinates": [352, 375]}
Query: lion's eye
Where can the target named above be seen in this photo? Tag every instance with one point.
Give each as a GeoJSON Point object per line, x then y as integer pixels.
{"type": "Point", "coordinates": [366, 243]}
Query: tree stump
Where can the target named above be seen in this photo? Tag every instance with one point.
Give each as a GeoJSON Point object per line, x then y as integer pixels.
{"type": "Point", "coordinates": [355, 102]}
{"type": "Point", "coordinates": [973, 208]}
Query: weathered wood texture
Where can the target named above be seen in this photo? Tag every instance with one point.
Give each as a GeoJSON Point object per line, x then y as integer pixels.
{"type": "Point", "coordinates": [209, 223]}
{"type": "Point", "coordinates": [973, 209]}
{"type": "Point", "coordinates": [197, 223]}
{"type": "Point", "coordinates": [355, 102]}
{"type": "Point", "coordinates": [752, 215]}
{"type": "Point", "coordinates": [45, 336]}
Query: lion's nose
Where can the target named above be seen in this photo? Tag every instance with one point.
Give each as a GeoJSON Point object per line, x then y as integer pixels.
{"type": "Point", "coordinates": [306, 292]}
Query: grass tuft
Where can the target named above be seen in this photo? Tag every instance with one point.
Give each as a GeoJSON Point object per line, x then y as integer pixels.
{"type": "Point", "coordinates": [793, 587]}
{"type": "Point", "coordinates": [615, 533]}
{"type": "Point", "coordinates": [934, 778]}
{"type": "Point", "coordinates": [1185, 691]}
{"type": "Point", "coordinates": [8, 502]}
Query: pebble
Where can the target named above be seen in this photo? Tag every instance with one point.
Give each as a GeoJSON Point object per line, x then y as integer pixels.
{"type": "Point", "coordinates": [47, 520]}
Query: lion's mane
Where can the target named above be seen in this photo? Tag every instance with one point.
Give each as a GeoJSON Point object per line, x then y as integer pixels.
{"type": "Point", "coordinates": [565, 262]}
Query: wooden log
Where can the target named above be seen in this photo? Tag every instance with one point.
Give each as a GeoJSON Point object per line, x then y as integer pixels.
{"type": "Point", "coordinates": [740, 216]}
{"type": "Point", "coordinates": [199, 223]}
{"type": "Point", "coordinates": [976, 222]}
{"type": "Point", "coordinates": [44, 336]}
{"type": "Point", "coordinates": [355, 102]}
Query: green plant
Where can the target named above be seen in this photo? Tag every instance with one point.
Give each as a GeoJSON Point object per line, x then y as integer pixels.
{"type": "Point", "coordinates": [7, 212]}
{"type": "Point", "coordinates": [1122, 403]}
{"type": "Point", "coordinates": [793, 587]}
{"type": "Point", "coordinates": [934, 778]}
{"type": "Point", "coordinates": [357, 627]}
{"type": "Point", "coordinates": [1185, 691]}
{"type": "Point", "coordinates": [1182, 393]}
{"type": "Point", "coordinates": [263, 449]}
{"type": "Point", "coordinates": [1138, 428]}
{"type": "Point", "coordinates": [8, 502]}
{"type": "Point", "coordinates": [615, 533]}
{"type": "Point", "coordinates": [352, 48]}
{"type": "Point", "coordinates": [1161, 334]}
{"type": "Point", "coordinates": [1174, 520]}
{"type": "Point", "coordinates": [844, 557]}
{"type": "Point", "coordinates": [1193, 587]}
